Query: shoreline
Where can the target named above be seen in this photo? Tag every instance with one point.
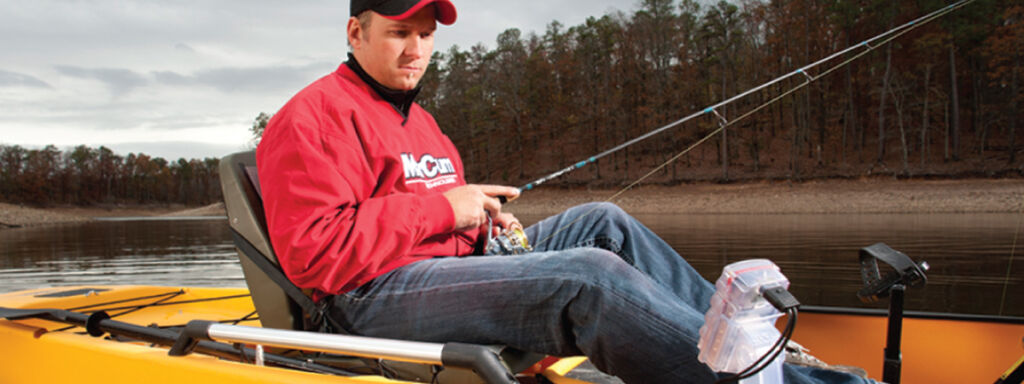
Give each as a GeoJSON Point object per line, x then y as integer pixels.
{"type": "Point", "coordinates": [18, 216]}
{"type": "Point", "coordinates": [864, 196]}
{"type": "Point", "coordinates": [811, 197]}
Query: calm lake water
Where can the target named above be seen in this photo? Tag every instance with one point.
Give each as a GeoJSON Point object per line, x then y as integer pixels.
{"type": "Point", "coordinates": [970, 254]}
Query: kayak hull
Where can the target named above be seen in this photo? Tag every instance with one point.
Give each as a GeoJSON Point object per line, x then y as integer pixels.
{"type": "Point", "coordinates": [935, 350]}
{"type": "Point", "coordinates": [37, 351]}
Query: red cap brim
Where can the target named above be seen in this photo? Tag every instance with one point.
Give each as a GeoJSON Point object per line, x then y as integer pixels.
{"type": "Point", "coordinates": [445, 11]}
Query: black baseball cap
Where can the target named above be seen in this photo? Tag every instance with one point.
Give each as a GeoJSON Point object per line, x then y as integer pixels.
{"type": "Point", "coordinates": [402, 9]}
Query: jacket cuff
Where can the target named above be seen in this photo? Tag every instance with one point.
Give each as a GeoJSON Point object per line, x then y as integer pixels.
{"type": "Point", "coordinates": [438, 215]}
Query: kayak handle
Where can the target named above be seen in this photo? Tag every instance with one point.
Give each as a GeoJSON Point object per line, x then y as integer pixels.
{"type": "Point", "coordinates": [482, 360]}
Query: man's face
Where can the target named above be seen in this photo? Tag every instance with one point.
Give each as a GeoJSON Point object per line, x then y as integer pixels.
{"type": "Point", "coordinates": [394, 52]}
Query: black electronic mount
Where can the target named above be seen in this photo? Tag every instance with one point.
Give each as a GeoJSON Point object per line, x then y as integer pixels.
{"type": "Point", "coordinates": [905, 273]}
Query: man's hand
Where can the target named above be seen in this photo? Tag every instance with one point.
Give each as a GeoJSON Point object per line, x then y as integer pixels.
{"type": "Point", "coordinates": [471, 203]}
{"type": "Point", "coordinates": [505, 220]}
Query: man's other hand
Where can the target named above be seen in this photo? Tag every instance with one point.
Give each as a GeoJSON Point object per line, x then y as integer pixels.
{"type": "Point", "coordinates": [472, 202]}
{"type": "Point", "coordinates": [504, 220]}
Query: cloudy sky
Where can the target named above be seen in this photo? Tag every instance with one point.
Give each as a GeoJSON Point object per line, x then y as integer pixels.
{"type": "Point", "coordinates": [186, 78]}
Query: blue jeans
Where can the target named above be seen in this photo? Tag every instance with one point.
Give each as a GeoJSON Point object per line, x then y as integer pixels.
{"type": "Point", "coordinates": [599, 283]}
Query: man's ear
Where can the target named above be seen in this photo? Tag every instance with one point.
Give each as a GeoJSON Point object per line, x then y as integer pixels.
{"type": "Point", "coordinates": [355, 32]}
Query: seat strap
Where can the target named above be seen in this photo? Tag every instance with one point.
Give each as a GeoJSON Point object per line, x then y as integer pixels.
{"type": "Point", "coordinates": [318, 316]}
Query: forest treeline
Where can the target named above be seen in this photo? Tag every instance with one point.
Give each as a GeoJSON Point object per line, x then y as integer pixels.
{"type": "Point", "coordinates": [939, 101]}
{"type": "Point", "coordinates": [88, 176]}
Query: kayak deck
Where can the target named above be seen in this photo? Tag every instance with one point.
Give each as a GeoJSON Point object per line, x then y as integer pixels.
{"type": "Point", "coordinates": [52, 351]}
{"type": "Point", "coordinates": [934, 350]}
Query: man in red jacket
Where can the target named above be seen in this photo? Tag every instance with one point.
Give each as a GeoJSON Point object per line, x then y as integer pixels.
{"type": "Point", "coordinates": [367, 205]}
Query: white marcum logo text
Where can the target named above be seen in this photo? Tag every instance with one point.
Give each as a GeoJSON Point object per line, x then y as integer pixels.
{"type": "Point", "coordinates": [428, 170]}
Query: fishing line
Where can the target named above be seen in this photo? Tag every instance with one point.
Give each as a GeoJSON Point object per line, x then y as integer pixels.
{"type": "Point", "coordinates": [1013, 248]}
{"type": "Point", "coordinates": [884, 37]}
{"type": "Point", "coordinates": [866, 46]}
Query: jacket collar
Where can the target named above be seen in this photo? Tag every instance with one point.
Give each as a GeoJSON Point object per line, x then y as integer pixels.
{"type": "Point", "coordinates": [401, 100]}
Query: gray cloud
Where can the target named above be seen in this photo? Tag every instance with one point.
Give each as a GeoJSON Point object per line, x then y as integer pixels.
{"type": "Point", "coordinates": [224, 79]}
{"type": "Point", "coordinates": [174, 150]}
{"type": "Point", "coordinates": [262, 78]}
{"type": "Point", "coordinates": [119, 80]}
{"type": "Point", "coordinates": [254, 79]}
{"type": "Point", "coordinates": [175, 65]}
{"type": "Point", "coordinates": [184, 47]}
{"type": "Point", "coordinates": [172, 78]}
{"type": "Point", "coordinates": [14, 79]}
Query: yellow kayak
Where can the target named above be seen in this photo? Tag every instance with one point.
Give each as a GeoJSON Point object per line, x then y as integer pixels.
{"type": "Point", "coordinates": [936, 348]}
{"type": "Point", "coordinates": [39, 349]}
{"type": "Point", "coordinates": [133, 334]}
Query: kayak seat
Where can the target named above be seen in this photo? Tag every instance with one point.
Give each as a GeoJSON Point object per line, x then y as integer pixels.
{"type": "Point", "coordinates": [246, 218]}
{"type": "Point", "coordinates": [278, 302]}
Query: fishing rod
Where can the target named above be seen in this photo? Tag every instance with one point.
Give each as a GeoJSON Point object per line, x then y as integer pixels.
{"type": "Point", "coordinates": [518, 237]}
{"type": "Point", "coordinates": [865, 47]}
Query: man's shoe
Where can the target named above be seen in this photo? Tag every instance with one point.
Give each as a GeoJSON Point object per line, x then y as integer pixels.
{"type": "Point", "coordinates": [796, 354]}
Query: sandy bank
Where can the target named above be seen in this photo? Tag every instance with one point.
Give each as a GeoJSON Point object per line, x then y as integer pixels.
{"type": "Point", "coordinates": [14, 216]}
{"type": "Point", "coordinates": [830, 196]}
{"type": "Point", "coordinates": [215, 209]}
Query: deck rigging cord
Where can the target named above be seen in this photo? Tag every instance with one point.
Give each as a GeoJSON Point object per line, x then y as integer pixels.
{"type": "Point", "coordinates": [92, 307]}
{"type": "Point", "coordinates": [857, 50]}
{"type": "Point", "coordinates": [161, 299]}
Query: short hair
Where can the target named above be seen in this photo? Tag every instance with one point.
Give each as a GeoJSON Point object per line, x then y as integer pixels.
{"type": "Point", "coordinates": [364, 18]}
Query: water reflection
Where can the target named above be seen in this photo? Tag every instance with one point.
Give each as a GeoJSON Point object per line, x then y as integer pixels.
{"type": "Point", "coordinates": [969, 254]}
{"type": "Point", "coordinates": [163, 252]}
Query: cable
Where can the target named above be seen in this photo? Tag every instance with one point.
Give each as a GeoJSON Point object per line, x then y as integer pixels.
{"type": "Point", "coordinates": [773, 352]}
{"type": "Point", "coordinates": [788, 335]}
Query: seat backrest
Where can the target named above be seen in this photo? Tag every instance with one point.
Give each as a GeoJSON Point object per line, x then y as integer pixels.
{"type": "Point", "coordinates": [240, 184]}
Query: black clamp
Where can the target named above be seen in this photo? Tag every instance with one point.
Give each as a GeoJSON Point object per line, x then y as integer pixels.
{"type": "Point", "coordinates": [482, 360]}
{"type": "Point", "coordinates": [905, 272]}
{"type": "Point", "coordinates": [189, 337]}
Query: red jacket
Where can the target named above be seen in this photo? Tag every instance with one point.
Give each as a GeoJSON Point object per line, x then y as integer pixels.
{"type": "Point", "coordinates": [352, 189]}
